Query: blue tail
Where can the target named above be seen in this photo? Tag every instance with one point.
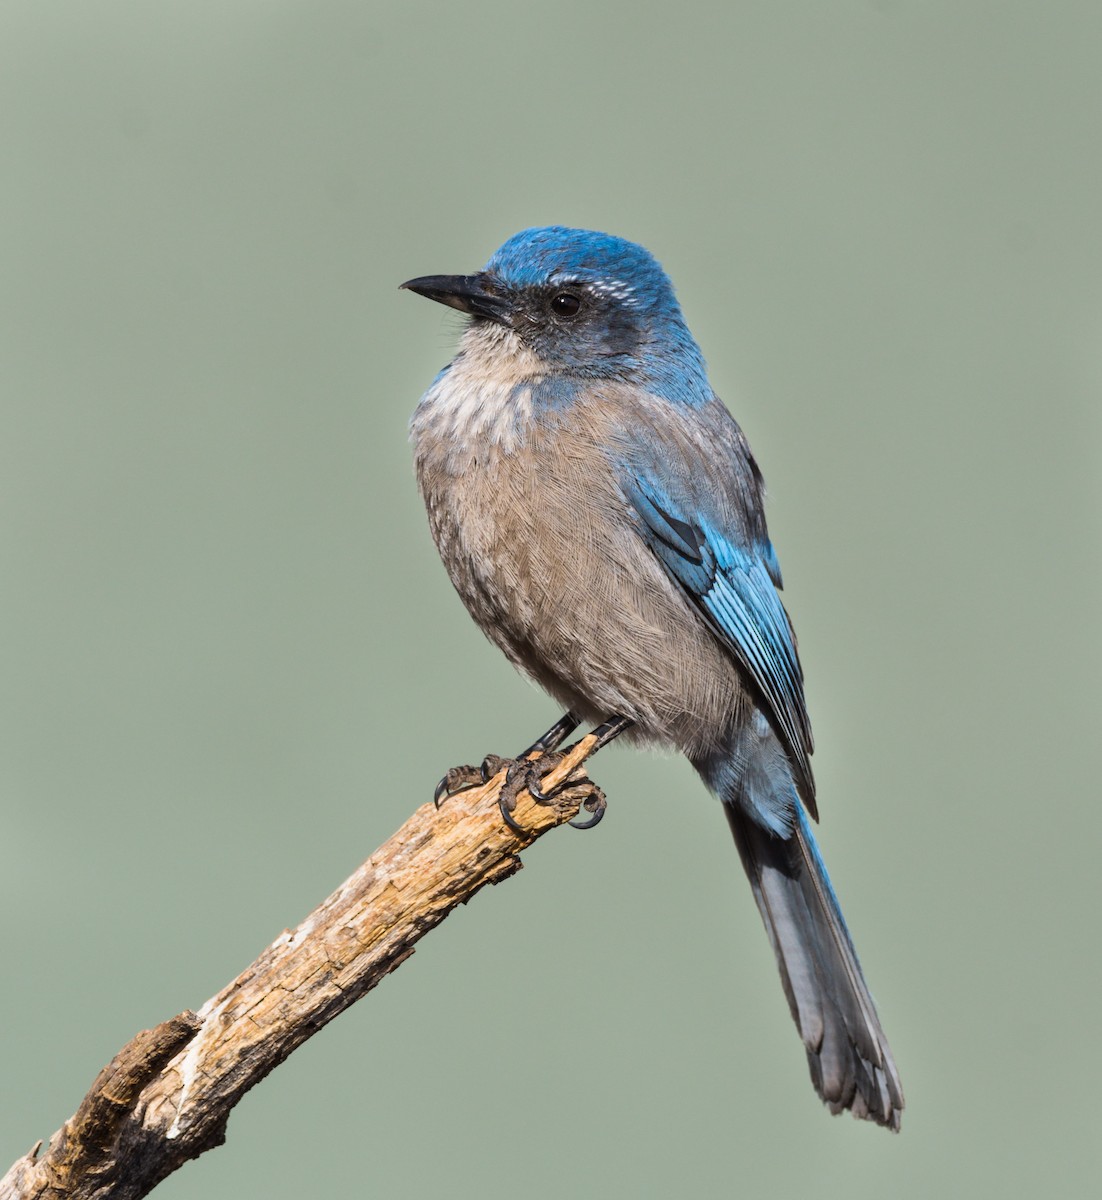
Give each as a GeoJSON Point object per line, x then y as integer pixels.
{"type": "Point", "coordinates": [851, 1064]}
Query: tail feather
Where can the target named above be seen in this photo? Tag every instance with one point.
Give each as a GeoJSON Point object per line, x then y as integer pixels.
{"type": "Point", "coordinates": [847, 1052]}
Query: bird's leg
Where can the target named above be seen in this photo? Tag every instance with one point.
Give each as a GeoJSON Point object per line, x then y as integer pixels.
{"type": "Point", "coordinates": [526, 774]}
{"type": "Point", "coordinates": [553, 738]}
{"type": "Point", "coordinates": [609, 732]}
{"type": "Point", "coordinates": [462, 779]}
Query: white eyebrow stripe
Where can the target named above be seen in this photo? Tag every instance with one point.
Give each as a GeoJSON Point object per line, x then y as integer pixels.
{"type": "Point", "coordinates": [615, 289]}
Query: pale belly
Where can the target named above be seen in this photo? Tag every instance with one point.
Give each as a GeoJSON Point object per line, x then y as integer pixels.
{"type": "Point", "coordinates": [542, 548]}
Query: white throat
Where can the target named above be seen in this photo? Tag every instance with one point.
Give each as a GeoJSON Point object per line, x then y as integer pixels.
{"type": "Point", "coordinates": [485, 396]}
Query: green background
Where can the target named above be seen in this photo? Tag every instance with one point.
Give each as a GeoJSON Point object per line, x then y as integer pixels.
{"type": "Point", "coordinates": [231, 664]}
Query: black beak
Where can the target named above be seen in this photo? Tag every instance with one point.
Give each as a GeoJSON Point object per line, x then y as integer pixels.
{"type": "Point", "coordinates": [473, 294]}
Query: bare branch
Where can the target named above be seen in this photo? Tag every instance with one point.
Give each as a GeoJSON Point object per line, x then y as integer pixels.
{"type": "Point", "coordinates": [166, 1097]}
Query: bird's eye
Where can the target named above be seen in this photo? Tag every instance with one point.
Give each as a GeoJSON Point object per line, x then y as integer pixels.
{"type": "Point", "coordinates": [565, 304]}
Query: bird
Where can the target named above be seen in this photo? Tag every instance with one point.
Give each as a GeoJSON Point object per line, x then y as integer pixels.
{"type": "Point", "coordinates": [600, 513]}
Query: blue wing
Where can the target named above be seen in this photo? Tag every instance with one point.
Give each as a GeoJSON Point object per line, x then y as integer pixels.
{"type": "Point", "coordinates": [735, 587]}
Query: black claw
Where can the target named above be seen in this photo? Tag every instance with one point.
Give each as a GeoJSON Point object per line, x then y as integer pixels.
{"type": "Point", "coordinates": [491, 765]}
{"type": "Point", "coordinates": [545, 766]}
{"type": "Point", "coordinates": [458, 779]}
{"type": "Point", "coordinates": [463, 779]}
{"type": "Point", "coordinates": [524, 775]}
{"type": "Point", "coordinates": [507, 817]}
{"type": "Point", "coordinates": [515, 779]}
{"type": "Point", "coordinates": [596, 804]}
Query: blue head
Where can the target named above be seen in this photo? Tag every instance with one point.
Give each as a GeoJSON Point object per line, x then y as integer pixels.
{"type": "Point", "coordinates": [586, 305]}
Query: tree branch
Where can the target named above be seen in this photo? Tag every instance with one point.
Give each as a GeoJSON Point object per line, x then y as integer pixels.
{"type": "Point", "coordinates": [167, 1095]}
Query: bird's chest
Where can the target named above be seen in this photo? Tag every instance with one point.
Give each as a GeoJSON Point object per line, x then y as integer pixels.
{"type": "Point", "coordinates": [506, 512]}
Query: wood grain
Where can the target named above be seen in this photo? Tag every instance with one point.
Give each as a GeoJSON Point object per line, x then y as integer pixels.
{"type": "Point", "coordinates": [166, 1097]}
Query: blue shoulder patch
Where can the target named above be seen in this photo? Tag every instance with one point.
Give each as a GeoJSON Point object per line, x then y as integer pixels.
{"type": "Point", "coordinates": [733, 586]}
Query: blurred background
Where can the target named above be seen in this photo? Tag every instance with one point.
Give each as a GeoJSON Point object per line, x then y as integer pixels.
{"type": "Point", "coordinates": [231, 664]}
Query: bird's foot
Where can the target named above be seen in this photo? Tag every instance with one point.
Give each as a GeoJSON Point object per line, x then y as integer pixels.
{"type": "Point", "coordinates": [463, 779]}
{"type": "Point", "coordinates": [527, 774]}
